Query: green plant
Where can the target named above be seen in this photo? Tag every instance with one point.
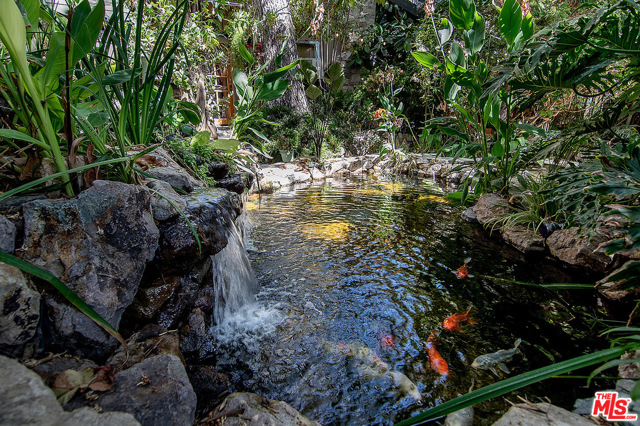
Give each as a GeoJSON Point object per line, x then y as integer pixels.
{"type": "Point", "coordinates": [321, 91]}
{"type": "Point", "coordinates": [530, 206]}
{"type": "Point", "coordinates": [66, 46]}
{"type": "Point", "coordinates": [477, 127]}
{"type": "Point", "coordinates": [253, 90]}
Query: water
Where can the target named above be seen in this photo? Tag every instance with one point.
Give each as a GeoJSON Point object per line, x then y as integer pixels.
{"type": "Point", "coordinates": [342, 266]}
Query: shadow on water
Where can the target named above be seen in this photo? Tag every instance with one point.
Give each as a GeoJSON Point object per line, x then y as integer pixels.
{"type": "Point", "coordinates": [354, 275]}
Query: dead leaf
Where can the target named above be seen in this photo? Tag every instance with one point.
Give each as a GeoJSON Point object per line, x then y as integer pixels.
{"type": "Point", "coordinates": [103, 380]}
{"type": "Point", "coordinates": [30, 167]}
{"type": "Point", "coordinates": [73, 152]}
{"type": "Point", "coordinates": [148, 160]}
{"type": "Point", "coordinates": [69, 382]}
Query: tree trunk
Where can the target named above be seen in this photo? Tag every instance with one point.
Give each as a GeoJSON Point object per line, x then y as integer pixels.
{"type": "Point", "coordinates": [273, 37]}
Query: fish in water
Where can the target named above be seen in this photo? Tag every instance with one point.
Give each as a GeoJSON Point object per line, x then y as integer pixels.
{"type": "Point", "coordinates": [387, 341]}
{"type": "Point", "coordinates": [462, 271]}
{"type": "Point", "coordinates": [496, 359]}
{"type": "Point", "coordinates": [452, 322]}
{"type": "Point", "coordinates": [437, 363]}
{"type": "Point", "coordinates": [370, 366]}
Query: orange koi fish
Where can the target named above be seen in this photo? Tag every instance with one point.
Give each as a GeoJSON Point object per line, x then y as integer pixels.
{"type": "Point", "coordinates": [437, 363]}
{"type": "Point", "coordinates": [462, 271]}
{"type": "Point", "coordinates": [387, 341]}
{"type": "Point", "coordinates": [452, 322]}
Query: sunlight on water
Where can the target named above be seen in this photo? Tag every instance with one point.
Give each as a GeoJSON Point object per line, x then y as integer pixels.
{"type": "Point", "coordinates": [353, 277]}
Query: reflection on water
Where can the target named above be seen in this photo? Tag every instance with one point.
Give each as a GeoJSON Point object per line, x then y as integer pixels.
{"type": "Point", "coordinates": [353, 277]}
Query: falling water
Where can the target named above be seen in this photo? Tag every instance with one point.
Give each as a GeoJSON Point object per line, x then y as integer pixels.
{"type": "Point", "coordinates": [234, 282]}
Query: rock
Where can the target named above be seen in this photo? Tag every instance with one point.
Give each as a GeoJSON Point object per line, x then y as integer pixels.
{"type": "Point", "coordinates": [210, 212]}
{"type": "Point", "coordinates": [24, 399]}
{"type": "Point", "coordinates": [52, 368]}
{"type": "Point", "coordinates": [630, 370]}
{"type": "Point", "coordinates": [156, 391]}
{"type": "Point", "coordinates": [541, 414]}
{"type": "Point", "coordinates": [524, 239]}
{"type": "Point", "coordinates": [469, 216]}
{"type": "Point", "coordinates": [572, 248]}
{"type": "Point", "coordinates": [236, 183]}
{"type": "Point", "coordinates": [490, 206]}
{"type": "Point", "coordinates": [210, 385]}
{"type": "Point", "coordinates": [619, 291]}
{"type": "Point", "coordinates": [152, 340]}
{"type": "Point", "coordinates": [218, 170]}
{"type": "Point", "coordinates": [250, 409]}
{"type": "Point", "coordinates": [161, 202]}
{"type": "Point", "coordinates": [20, 307]}
{"type": "Point", "coordinates": [98, 244]}
{"type": "Point", "coordinates": [175, 177]}
{"type": "Point", "coordinates": [182, 300]}
{"type": "Point", "coordinates": [625, 385]}
{"type": "Point", "coordinates": [149, 300]}
{"type": "Point", "coordinates": [463, 417]}
{"type": "Point", "coordinates": [8, 231]}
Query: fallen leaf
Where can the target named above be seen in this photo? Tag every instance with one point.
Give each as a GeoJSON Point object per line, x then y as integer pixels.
{"type": "Point", "coordinates": [103, 380]}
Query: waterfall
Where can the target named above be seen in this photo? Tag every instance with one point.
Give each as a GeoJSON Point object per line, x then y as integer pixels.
{"type": "Point", "coordinates": [234, 282]}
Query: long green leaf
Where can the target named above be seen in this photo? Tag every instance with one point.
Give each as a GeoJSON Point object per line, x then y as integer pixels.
{"type": "Point", "coordinates": [517, 382]}
{"type": "Point", "coordinates": [510, 20]}
{"type": "Point", "coordinates": [426, 59]}
{"type": "Point", "coordinates": [69, 294]}
{"type": "Point", "coordinates": [462, 13]}
{"type": "Point", "coordinates": [14, 134]}
{"type": "Point", "coordinates": [474, 38]}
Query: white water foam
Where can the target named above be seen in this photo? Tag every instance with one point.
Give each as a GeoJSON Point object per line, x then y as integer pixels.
{"type": "Point", "coordinates": [234, 282]}
{"type": "Point", "coordinates": [237, 314]}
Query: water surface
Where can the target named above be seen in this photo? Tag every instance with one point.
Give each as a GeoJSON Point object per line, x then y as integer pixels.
{"type": "Point", "coordinates": [343, 265]}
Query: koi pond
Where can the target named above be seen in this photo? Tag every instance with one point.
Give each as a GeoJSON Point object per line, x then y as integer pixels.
{"type": "Point", "coordinates": [352, 279]}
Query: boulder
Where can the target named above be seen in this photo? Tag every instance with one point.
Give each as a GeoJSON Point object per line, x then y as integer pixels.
{"type": "Point", "coordinates": [156, 391]}
{"type": "Point", "coordinates": [574, 248]}
{"type": "Point", "coordinates": [210, 385]}
{"type": "Point", "coordinates": [8, 230]}
{"type": "Point", "coordinates": [152, 340]}
{"type": "Point", "coordinates": [524, 239]}
{"type": "Point", "coordinates": [469, 216]}
{"type": "Point", "coordinates": [24, 399]}
{"type": "Point", "coordinates": [218, 170]}
{"type": "Point", "coordinates": [163, 199]}
{"type": "Point", "coordinates": [210, 212]}
{"type": "Point", "coordinates": [236, 183]}
{"type": "Point", "coordinates": [243, 409]}
{"type": "Point", "coordinates": [176, 177]}
{"type": "Point", "coordinates": [149, 300]}
{"type": "Point", "coordinates": [541, 414]}
{"type": "Point", "coordinates": [20, 307]}
{"type": "Point", "coordinates": [490, 206]}
{"type": "Point", "coordinates": [630, 370]}
{"type": "Point", "coordinates": [617, 290]}
{"type": "Point", "coordinates": [98, 244]}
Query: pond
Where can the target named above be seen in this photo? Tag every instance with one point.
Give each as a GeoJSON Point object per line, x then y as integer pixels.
{"type": "Point", "coordinates": [353, 276]}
